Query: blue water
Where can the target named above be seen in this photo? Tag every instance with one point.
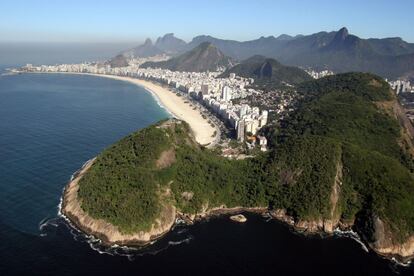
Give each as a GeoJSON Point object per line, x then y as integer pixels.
{"type": "Point", "coordinates": [51, 124]}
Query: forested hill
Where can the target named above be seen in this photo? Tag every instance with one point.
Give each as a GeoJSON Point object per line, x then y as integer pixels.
{"type": "Point", "coordinates": [342, 158]}
{"type": "Point", "coordinates": [359, 115]}
{"type": "Point", "coordinates": [268, 72]}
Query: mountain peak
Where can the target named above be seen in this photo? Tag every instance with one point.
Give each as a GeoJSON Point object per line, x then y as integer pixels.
{"type": "Point", "coordinates": [205, 57]}
{"type": "Point", "coordinates": [148, 42]}
{"type": "Point", "coordinates": [268, 71]}
{"type": "Point", "coordinates": [342, 33]}
{"type": "Point", "coordinates": [166, 37]}
{"type": "Point", "coordinates": [170, 44]}
{"type": "Point", "coordinates": [284, 37]}
{"type": "Point", "coordinates": [144, 50]}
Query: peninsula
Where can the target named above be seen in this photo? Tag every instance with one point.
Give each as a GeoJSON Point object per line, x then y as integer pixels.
{"type": "Point", "coordinates": [342, 160]}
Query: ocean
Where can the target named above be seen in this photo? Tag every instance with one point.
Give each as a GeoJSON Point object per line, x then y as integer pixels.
{"type": "Point", "coordinates": [50, 124]}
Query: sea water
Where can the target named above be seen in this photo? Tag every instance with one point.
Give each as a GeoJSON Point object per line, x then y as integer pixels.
{"type": "Point", "coordinates": [50, 124]}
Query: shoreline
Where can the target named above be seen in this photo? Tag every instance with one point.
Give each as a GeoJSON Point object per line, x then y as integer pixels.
{"type": "Point", "coordinates": [176, 106]}
{"type": "Point", "coordinates": [70, 209]}
{"type": "Point", "coordinates": [109, 234]}
{"type": "Point", "coordinates": [150, 237]}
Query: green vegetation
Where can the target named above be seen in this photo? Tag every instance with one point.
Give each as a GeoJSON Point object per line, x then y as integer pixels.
{"type": "Point", "coordinates": [304, 170]}
{"type": "Point", "coordinates": [341, 109]}
{"type": "Point", "coordinates": [337, 135]}
{"type": "Point", "coordinates": [204, 57]}
{"type": "Point", "coordinates": [268, 73]}
{"type": "Point", "coordinates": [120, 187]}
{"type": "Point", "coordinates": [125, 183]}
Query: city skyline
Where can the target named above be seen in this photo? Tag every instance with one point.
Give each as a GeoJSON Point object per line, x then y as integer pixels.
{"type": "Point", "coordinates": [127, 21]}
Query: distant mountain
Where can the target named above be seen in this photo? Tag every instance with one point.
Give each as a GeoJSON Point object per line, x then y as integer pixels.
{"type": "Point", "coordinates": [338, 51]}
{"type": "Point", "coordinates": [268, 71]}
{"type": "Point", "coordinates": [391, 46]}
{"type": "Point", "coordinates": [343, 52]}
{"type": "Point", "coordinates": [204, 57]}
{"type": "Point", "coordinates": [167, 44]}
{"type": "Point", "coordinates": [147, 49]}
{"type": "Point", "coordinates": [284, 37]}
{"type": "Point", "coordinates": [264, 46]}
{"type": "Point", "coordinates": [170, 44]}
{"type": "Point", "coordinates": [118, 61]}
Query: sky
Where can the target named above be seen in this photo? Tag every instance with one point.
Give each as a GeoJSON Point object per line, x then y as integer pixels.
{"type": "Point", "coordinates": [123, 21]}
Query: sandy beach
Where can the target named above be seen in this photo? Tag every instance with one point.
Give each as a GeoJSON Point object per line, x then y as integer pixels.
{"type": "Point", "coordinates": [203, 131]}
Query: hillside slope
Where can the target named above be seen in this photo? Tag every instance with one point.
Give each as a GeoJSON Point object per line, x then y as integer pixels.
{"type": "Point", "coordinates": [148, 49]}
{"type": "Point", "coordinates": [378, 184]}
{"type": "Point", "coordinates": [268, 72]}
{"type": "Point", "coordinates": [205, 57]}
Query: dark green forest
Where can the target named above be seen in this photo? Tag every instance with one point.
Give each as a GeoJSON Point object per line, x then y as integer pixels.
{"type": "Point", "coordinates": [336, 125]}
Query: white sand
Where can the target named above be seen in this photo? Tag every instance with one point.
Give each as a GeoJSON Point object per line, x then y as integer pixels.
{"type": "Point", "coordinates": [203, 131]}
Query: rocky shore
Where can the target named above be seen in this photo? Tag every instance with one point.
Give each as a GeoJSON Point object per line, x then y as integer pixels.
{"type": "Point", "coordinates": [107, 232]}
{"type": "Point", "coordinates": [110, 234]}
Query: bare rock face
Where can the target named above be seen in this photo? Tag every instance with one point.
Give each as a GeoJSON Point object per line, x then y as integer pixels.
{"type": "Point", "coordinates": [385, 244]}
{"type": "Point", "coordinates": [281, 215]}
{"type": "Point", "coordinates": [310, 226]}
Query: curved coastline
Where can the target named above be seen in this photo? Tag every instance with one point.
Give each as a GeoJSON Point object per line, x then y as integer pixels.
{"type": "Point", "coordinates": [105, 231]}
{"type": "Point", "coordinates": [176, 106]}
{"type": "Point", "coordinates": [109, 234]}
{"type": "Point", "coordinates": [204, 133]}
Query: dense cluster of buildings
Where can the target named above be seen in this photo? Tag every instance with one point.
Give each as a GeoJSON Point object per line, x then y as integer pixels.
{"type": "Point", "coordinates": [318, 75]}
{"type": "Point", "coordinates": [401, 86]}
{"type": "Point", "coordinates": [217, 94]}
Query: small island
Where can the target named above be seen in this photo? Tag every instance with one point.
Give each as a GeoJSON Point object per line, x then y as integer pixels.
{"type": "Point", "coordinates": [342, 160]}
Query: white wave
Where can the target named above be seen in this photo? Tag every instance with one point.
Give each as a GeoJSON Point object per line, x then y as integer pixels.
{"type": "Point", "coordinates": [187, 240]}
{"type": "Point", "coordinates": [47, 222]}
{"type": "Point", "coordinates": [182, 231]}
{"type": "Point", "coordinates": [179, 221]}
{"type": "Point", "coordinates": [158, 101]}
{"type": "Point", "coordinates": [97, 244]}
{"type": "Point", "coordinates": [404, 264]}
{"type": "Point", "coordinates": [43, 223]}
{"type": "Point", "coordinates": [353, 235]}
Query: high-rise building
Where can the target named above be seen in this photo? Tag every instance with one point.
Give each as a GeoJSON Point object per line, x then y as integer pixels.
{"type": "Point", "coordinates": [263, 118]}
{"type": "Point", "coordinates": [255, 126]}
{"type": "Point", "coordinates": [226, 93]}
{"type": "Point", "coordinates": [204, 89]}
{"type": "Point", "coordinates": [240, 130]}
{"type": "Point", "coordinates": [243, 110]}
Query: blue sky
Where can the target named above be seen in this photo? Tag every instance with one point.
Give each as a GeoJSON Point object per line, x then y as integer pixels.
{"type": "Point", "coordinates": [123, 20]}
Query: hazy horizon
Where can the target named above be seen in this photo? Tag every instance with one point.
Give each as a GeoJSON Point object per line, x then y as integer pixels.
{"type": "Point", "coordinates": [20, 53]}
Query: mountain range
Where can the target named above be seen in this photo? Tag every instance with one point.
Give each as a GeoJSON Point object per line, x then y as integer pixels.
{"type": "Point", "coordinates": [204, 57]}
{"type": "Point", "coordinates": [338, 51]}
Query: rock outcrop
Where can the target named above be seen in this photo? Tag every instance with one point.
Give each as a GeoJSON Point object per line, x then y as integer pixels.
{"type": "Point", "coordinates": [384, 243]}
{"type": "Point", "coordinates": [107, 232]}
